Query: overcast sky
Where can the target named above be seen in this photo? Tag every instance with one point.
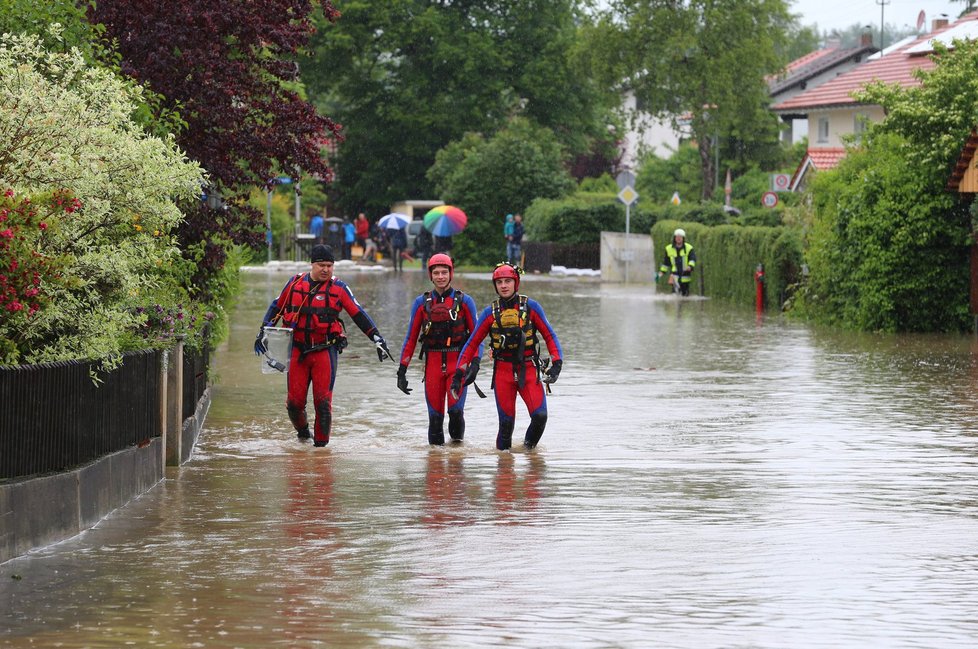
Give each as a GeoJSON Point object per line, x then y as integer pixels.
{"type": "Point", "coordinates": [830, 14]}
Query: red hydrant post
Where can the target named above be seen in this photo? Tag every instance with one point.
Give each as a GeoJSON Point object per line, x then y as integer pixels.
{"type": "Point", "coordinates": [759, 286]}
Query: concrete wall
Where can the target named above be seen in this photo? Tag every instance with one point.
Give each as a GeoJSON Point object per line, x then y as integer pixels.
{"type": "Point", "coordinates": [52, 508]}
{"type": "Point", "coordinates": [627, 259]}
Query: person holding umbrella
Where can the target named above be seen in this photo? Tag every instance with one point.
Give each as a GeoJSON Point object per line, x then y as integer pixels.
{"type": "Point", "coordinates": [310, 304]}
{"type": "Point", "coordinates": [441, 321]}
{"type": "Point", "coordinates": [394, 223]}
{"type": "Point", "coordinates": [515, 324]}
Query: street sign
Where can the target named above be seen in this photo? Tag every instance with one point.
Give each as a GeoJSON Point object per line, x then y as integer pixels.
{"type": "Point", "coordinates": [769, 199]}
{"type": "Point", "coordinates": [675, 198]}
{"type": "Point", "coordinates": [625, 179]}
{"type": "Point", "coordinates": [780, 182]}
{"type": "Point", "coordinates": [628, 195]}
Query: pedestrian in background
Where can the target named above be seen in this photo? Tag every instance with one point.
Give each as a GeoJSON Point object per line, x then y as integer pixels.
{"type": "Point", "coordinates": [362, 227]}
{"type": "Point", "coordinates": [423, 244]}
{"type": "Point", "coordinates": [316, 225]}
{"type": "Point", "coordinates": [679, 261]}
{"type": "Point", "coordinates": [508, 232]}
{"type": "Point", "coordinates": [515, 248]}
{"type": "Point", "coordinates": [310, 305]}
{"type": "Point", "coordinates": [349, 237]}
{"type": "Point", "coordinates": [398, 240]}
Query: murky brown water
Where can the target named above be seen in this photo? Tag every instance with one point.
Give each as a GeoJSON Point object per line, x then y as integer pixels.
{"type": "Point", "coordinates": [706, 480]}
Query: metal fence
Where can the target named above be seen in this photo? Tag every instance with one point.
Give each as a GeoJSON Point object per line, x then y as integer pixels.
{"type": "Point", "coordinates": [195, 365]}
{"type": "Point", "coordinates": [53, 417]}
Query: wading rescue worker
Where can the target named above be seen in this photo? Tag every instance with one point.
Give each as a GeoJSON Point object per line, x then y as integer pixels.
{"type": "Point", "coordinates": [679, 261]}
{"type": "Point", "coordinates": [310, 304]}
{"type": "Point", "coordinates": [441, 320]}
{"type": "Point", "coordinates": [515, 325]}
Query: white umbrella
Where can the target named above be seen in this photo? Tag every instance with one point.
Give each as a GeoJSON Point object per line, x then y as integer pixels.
{"type": "Point", "coordinates": [394, 221]}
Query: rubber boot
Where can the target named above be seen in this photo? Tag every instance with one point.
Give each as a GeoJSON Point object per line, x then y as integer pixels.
{"type": "Point", "coordinates": [324, 421]}
{"type": "Point", "coordinates": [504, 439]}
{"type": "Point", "coordinates": [436, 434]}
{"type": "Point", "coordinates": [535, 430]}
{"type": "Point", "coordinates": [456, 425]}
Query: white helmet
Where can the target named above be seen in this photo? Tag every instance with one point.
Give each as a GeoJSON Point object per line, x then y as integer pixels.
{"type": "Point", "coordinates": [679, 233]}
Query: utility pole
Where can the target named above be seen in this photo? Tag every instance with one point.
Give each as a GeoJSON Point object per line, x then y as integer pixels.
{"type": "Point", "coordinates": [882, 4]}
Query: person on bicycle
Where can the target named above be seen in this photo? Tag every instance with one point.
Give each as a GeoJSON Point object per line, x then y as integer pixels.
{"type": "Point", "coordinates": [679, 261]}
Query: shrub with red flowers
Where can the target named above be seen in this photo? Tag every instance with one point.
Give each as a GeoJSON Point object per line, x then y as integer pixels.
{"type": "Point", "coordinates": [27, 274]}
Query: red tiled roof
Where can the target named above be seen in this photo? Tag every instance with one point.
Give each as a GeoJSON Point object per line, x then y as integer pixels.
{"type": "Point", "coordinates": [827, 158]}
{"type": "Point", "coordinates": [894, 68]}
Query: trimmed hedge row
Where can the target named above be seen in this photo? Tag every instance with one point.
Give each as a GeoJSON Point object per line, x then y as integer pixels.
{"type": "Point", "coordinates": [728, 255]}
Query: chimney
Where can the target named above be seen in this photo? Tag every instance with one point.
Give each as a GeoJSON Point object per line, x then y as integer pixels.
{"type": "Point", "coordinates": [865, 40]}
{"type": "Point", "coordinates": [938, 23]}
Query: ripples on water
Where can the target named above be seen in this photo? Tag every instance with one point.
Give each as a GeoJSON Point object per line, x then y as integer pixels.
{"type": "Point", "coordinates": [706, 480]}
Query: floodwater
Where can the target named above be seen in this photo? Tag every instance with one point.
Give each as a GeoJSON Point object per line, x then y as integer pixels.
{"type": "Point", "coordinates": [707, 479]}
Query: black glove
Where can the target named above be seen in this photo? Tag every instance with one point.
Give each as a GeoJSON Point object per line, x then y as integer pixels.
{"type": "Point", "coordinates": [471, 373]}
{"type": "Point", "coordinates": [402, 383]}
{"type": "Point", "coordinates": [260, 347]}
{"type": "Point", "coordinates": [382, 349]}
{"type": "Point", "coordinates": [456, 385]}
{"type": "Point", "coordinates": [554, 371]}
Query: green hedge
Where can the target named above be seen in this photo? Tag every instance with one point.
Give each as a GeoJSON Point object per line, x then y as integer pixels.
{"type": "Point", "coordinates": [728, 255]}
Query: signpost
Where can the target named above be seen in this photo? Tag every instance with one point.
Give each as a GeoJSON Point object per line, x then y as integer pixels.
{"type": "Point", "coordinates": [627, 195]}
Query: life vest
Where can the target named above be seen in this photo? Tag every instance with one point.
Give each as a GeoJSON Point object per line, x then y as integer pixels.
{"type": "Point", "coordinates": [512, 334]}
{"type": "Point", "coordinates": [444, 329]}
{"type": "Point", "coordinates": [308, 310]}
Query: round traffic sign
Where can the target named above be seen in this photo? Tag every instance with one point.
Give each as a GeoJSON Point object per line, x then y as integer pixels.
{"type": "Point", "coordinates": [769, 199]}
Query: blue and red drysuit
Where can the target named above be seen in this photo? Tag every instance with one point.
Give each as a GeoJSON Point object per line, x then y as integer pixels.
{"type": "Point", "coordinates": [441, 323]}
{"type": "Point", "coordinates": [515, 326]}
{"type": "Point", "coordinates": [312, 311]}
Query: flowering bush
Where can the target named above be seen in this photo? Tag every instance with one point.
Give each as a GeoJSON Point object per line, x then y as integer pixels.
{"type": "Point", "coordinates": [27, 274]}
{"type": "Point", "coordinates": [108, 247]}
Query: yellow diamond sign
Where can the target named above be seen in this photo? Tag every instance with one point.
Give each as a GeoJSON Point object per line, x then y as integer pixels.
{"type": "Point", "coordinates": [627, 195]}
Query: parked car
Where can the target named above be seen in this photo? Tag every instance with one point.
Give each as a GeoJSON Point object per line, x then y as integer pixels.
{"type": "Point", "coordinates": [413, 228]}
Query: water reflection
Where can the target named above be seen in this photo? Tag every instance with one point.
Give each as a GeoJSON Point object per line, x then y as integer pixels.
{"type": "Point", "coordinates": [516, 496]}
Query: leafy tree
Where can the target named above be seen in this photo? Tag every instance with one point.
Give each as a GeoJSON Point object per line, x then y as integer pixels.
{"type": "Point", "coordinates": [498, 176]}
{"type": "Point", "coordinates": [889, 243]}
{"type": "Point", "coordinates": [229, 69]}
{"type": "Point", "coordinates": [98, 242]}
{"type": "Point", "coordinates": [702, 64]}
{"type": "Point", "coordinates": [407, 77]}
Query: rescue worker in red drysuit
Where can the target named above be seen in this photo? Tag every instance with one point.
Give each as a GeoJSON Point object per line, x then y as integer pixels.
{"type": "Point", "coordinates": [310, 304]}
{"type": "Point", "coordinates": [515, 325]}
{"type": "Point", "coordinates": [441, 320]}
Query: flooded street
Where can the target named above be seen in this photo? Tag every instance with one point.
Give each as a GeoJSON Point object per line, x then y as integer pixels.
{"type": "Point", "coordinates": [706, 479]}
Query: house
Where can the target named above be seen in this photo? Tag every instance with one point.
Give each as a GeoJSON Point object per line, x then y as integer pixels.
{"type": "Point", "coordinates": [810, 72]}
{"type": "Point", "coordinates": [834, 115]}
{"type": "Point", "coordinates": [645, 134]}
{"type": "Point", "coordinates": [964, 180]}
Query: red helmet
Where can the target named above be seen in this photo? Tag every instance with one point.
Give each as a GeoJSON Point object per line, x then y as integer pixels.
{"type": "Point", "coordinates": [441, 259]}
{"type": "Point", "coordinates": [506, 270]}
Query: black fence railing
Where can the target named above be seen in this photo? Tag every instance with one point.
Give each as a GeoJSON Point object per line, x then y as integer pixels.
{"type": "Point", "coordinates": [53, 417]}
{"type": "Point", "coordinates": [195, 366]}
{"type": "Point", "coordinates": [543, 255]}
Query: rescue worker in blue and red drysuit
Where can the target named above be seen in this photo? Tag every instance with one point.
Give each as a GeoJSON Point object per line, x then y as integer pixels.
{"type": "Point", "coordinates": [310, 304]}
{"type": "Point", "coordinates": [441, 320]}
{"type": "Point", "coordinates": [515, 325]}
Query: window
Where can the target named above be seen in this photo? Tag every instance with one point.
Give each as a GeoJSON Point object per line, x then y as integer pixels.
{"type": "Point", "coordinates": [860, 124]}
{"type": "Point", "coordinates": [823, 129]}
